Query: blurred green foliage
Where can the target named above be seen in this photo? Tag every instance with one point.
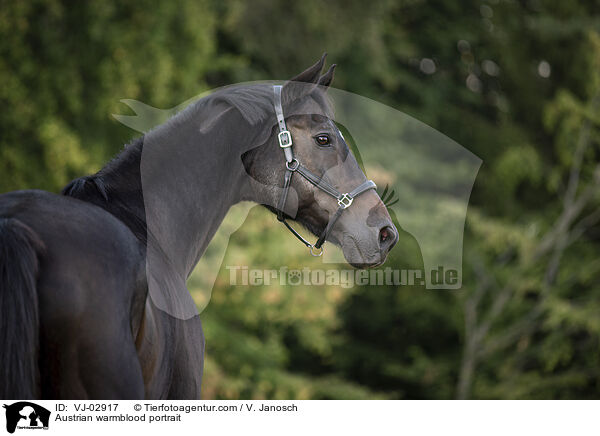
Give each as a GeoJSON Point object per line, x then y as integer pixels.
{"type": "Point", "coordinates": [516, 82]}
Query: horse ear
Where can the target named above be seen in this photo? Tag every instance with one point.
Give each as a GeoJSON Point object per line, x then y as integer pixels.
{"type": "Point", "coordinates": [326, 79]}
{"type": "Point", "coordinates": [311, 74]}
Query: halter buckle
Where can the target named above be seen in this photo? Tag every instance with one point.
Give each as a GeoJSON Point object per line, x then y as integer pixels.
{"type": "Point", "coordinates": [345, 201]}
{"type": "Point", "coordinates": [285, 139]}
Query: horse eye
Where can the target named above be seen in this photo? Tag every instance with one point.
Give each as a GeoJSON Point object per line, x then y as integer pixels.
{"type": "Point", "coordinates": [322, 140]}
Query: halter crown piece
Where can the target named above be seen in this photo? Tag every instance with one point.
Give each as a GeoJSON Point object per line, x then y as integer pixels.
{"type": "Point", "coordinates": [292, 165]}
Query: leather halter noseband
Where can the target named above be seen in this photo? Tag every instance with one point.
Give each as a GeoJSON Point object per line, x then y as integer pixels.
{"type": "Point", "coordinates": [292, 165]}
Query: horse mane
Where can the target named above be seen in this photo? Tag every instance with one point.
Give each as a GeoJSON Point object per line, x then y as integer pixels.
{"type": "Point", "coordinates": [254, 102]}
{"type": "Point", "coordinates": [86, 188]}
{"type": "Point", "coordinates": [98, 186]}
{"type": "Point", "coordinates": [117, 187]}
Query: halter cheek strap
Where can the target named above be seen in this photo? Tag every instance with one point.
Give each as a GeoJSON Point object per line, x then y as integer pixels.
{"type": "Point", "coordinates": [292, 165]}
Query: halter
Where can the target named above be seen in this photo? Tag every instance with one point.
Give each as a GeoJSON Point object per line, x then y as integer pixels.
{"type": "Point", "coordinates": [292, 166]}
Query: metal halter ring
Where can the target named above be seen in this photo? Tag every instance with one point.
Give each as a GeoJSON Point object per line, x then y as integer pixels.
{"type": "Point", "coordinates": [345, 201]}
{"type": "Point", "coordinates": [316, 253]}
{"type": "Point", "coordinates": [294, 166]}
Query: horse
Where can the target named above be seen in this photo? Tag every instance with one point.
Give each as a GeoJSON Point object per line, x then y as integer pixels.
{"type": "Point", "coordinates": [93, 302]}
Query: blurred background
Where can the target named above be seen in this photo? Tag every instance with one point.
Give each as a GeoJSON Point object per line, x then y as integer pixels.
{"type": "Point", "coordinates": [515, 82]}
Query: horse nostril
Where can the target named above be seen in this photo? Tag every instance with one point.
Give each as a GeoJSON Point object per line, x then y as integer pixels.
{"type": "Point", "coordinates": [387, 238]}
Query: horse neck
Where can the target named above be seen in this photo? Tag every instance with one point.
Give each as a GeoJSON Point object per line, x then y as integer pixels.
{"type": "Point", "coordinates": [173, 186]}
{"type": "Point", "coordinates": [190, 178]}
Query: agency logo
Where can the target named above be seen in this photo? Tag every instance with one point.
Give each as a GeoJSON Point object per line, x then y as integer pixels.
{"type": "Point", "coordinates": [27, 416]}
